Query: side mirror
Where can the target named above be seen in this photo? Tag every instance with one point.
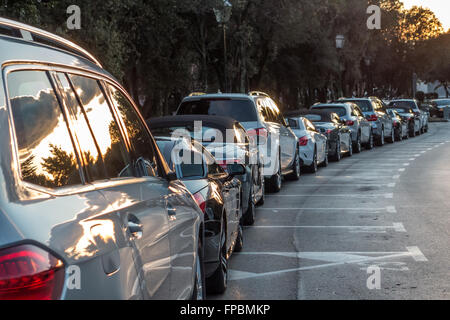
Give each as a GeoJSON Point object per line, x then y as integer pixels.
{"type": "Point", "coordinates": [236, 169]}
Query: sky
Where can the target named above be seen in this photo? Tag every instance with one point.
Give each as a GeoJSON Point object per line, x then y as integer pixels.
{"type": "Point", "coordinates": [441, 8]}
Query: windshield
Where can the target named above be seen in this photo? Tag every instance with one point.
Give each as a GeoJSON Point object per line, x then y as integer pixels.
{"type": "Point", "coordinates": [364, 105]}
{"type": "Point", "coordinates": [341, 111]}
{"type": "Point", "coordinates": [240, 110]}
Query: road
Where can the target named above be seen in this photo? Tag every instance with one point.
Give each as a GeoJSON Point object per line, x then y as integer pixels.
{"type": "Point", "coordinates": [324, 236]}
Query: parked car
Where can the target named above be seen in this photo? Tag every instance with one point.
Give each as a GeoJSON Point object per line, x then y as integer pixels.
{"type": "Point", "coordinates": [354, 118]}
{"type": "Point", "coordinates": [438, 107]}
{"type": "Point", "coordinates": [338, 134]}
{"type": "Point", "coordinates": [217, 194]}
{"type": "Point", "coordinates": [414, 106]}
{"type": "Point", "coordinates": [400, 124]}
{"type": "Point", "coordinates": [227, 140]}
{"type": "Point", "coordinates": [85, 190]}
{"type": "Point", "coordinates": [407, 113]}
{"type": "Point", "coordinates": [374, 111]}
{"type": "Point", "coordinates": [262, 119]}
{"type": "Point", "coordinates": [313, 144]}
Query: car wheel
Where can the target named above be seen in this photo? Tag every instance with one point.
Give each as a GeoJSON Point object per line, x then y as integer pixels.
{"type": "Point", "coordinates": [295, 175]}
{"type": "Point", "coordinates": [412, 131]}
{"type": "Point", "coordinates": [199, 292]}
{"type": "Point", "coordinates": [392, 137]}
{"type": "Point", "coordinates": [370, 144]}
{"type": "Point", "coordinates": [325, 161]}
{"type": "Point", "coordinates": [218, 282]}
{"type": "Point", "coordinates": [239, 245]}
{"type": "Point", "coordinates": [313, 167]}
{"type": "Point", "coordinates": [358, 147]}
{"type": "Point", "coordinates": [337, 155]}
{"type": "Point", "coordinates": [275, 181]}
{"type": "Point", "coordinates": [263, 192]}
{"type": "Point", "coordinates": [249, 216]}
{"type": "Point", "coordinates": [400, 134]}
{"type": "Point", "coordinates": [381, 138]}
{"type": "Point", "coordinates": [350, 148]}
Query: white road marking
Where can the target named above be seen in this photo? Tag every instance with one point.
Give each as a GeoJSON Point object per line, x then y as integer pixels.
{"type": "Point", "coordinates": [401, 170]}
{"type": "Point", "coordinates": [333, 258]}
{"type": "Point", "coordinates": [412, 159]}
{"type": "Point", "coordinates": [389, 209]}
{"type": "Point", "coordinates": [353, 195]}
{"type": "Point", "coordinates": [397, 227]}
{"type": "Point", "coordinates": [417, 254]}
{"type": "Point", "coordinates": [397, 176]}
{"type": "Point", "coordinates": [324, 184]}
{"type": "Point", "coordinates": [406, 164]}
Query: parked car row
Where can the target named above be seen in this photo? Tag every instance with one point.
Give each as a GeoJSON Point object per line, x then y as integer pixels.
{"type": "Point", "coordinates": [98, 203]}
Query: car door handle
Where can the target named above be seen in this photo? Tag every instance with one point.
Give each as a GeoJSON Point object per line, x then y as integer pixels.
{"type": "Point", "coordinates": [135, 228]}
{"type": "Point", "coordinates": [172, 213]}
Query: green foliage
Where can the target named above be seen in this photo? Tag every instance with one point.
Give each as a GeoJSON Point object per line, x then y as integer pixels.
{"type": "Point", "coordinates": [163, 49]}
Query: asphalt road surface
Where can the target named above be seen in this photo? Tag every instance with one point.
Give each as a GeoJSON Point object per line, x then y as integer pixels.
{"type": "Point", "coordinates": [378, 218]}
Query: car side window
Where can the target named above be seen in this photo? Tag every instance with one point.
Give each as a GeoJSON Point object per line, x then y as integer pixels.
{"type": "Point", "coordinates": [104, 127]}
{"type": "Point", "coordinates": [138, 135]}
{"type": "Point", "coordinates": [213, 167]}
{"type": "Point", "coordinates": [90, 152]}
{"type": "Point", "coordinates": [46, 152]}
{"type": "Point", "coordinates": [309, 125]}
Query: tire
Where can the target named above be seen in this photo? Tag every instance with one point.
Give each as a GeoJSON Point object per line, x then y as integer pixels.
{"type": "Point", "coordinates": [337, 155]}
{"type": "Point", "coordinates": [391, 139]}
{"type": "Point", "coordinates": [381, 141]}
{"type": "Point", "coordinates": [313, 167]}
{"type": "Point", "coordinates": [274, 183]}
{"type": "Point", "coordinates": [357, 148]}
{"type": "Point", "coordinates": [350, 148]}
{"type": "Point", "coordinates": [239, 245]}
{"type": "Point", "coordinates": [249, 216]}
{"type": "Point", "coordinates": [412, 131]}
{"type": "Point", "coordinates": [199, 292]}
{"type": "Point", "coordinates": [324, 164]}
{"type": "Point", "coordinates": [263, 193]}
{"type": "Point", "coordinates": [370, 144]}
{"type": "Point", "coordinates": [218, 282]}
{"type": "Point", "coordinates": [400, 134]}
{"type": "Point", "coordinates": [295, 175]}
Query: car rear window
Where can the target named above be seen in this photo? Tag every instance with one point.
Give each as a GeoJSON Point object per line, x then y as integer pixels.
{"type": "Point", "coordinates": [314, 117]}
{"type": "Point", "coordinates": [403, 104]}
{"type": "Point", "coordinates": [364, 105]}
{"type": "Point", "coordinates": [240, 110]}
{"type": "Point", "coordinates": [341, 111]}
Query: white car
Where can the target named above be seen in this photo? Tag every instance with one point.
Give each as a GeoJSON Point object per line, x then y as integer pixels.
{"type": "Point", "coordinates": [313, 145]}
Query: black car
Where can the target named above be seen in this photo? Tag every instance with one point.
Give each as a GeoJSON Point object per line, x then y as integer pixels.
{"type": "Point", "coordinates": [217, 194]}
{"type": "Point", "coordinates": [438, 106]}
{"type": "Point", "coordinates": [229, 143]}
{"type": "Point", "coordinates": [338, 133]}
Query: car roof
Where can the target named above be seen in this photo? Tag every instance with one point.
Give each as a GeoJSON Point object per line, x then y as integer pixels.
{"type": "Point", "coordinates": [214, 121]}
{"type": "Point", "coordinates": [239, 96]}
{"type": "Point", "coordinates": [17, 50]}
{"type": "Point", "coordinates": [302, 113]}
{"type": "Point", "coordinates": [334, 104]}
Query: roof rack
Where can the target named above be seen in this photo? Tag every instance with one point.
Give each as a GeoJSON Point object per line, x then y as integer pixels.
{"type": "Point", "coordinates": [28, 33]}
{"type": "Point", "coordinates": [196, 94]}
{"type": "Point", "coordinates": [258, 93]}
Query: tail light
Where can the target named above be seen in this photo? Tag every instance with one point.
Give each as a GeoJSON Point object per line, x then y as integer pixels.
{"type": "Point", "coordinates": [350, 122]}
{"type": "Point", "coordinates": [328, 131]}
{"type": "Point", "coordinates": [303, 141]}
{"type": "Point", "coordinates": [260, 134]}
{"type": "Point", "coordinates": [372, 117]}
{"type": "Point", "coordinates": [200, 201]}
{"type": "Point", "coordinates": [30, 273]}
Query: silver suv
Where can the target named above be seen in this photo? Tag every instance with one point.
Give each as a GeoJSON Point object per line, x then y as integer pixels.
{"type": "Point", "coordinates": [263, 121]}
{"type": "Point", "coordinates": [88, 206]}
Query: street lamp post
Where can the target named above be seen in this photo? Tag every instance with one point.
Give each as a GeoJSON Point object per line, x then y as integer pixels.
{"type": "Point", "coordinates": [368, 62]}
{"type": "Point", "coordinates": [223, 15]}
{"type": "Point", "coordinates": [340, 42]}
